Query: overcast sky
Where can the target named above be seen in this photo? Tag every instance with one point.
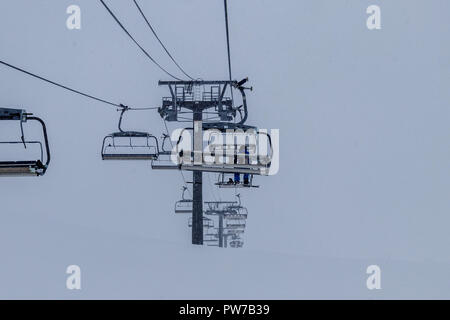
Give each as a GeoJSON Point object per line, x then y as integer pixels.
{"type": "Point", "coordinates": [364, 149]}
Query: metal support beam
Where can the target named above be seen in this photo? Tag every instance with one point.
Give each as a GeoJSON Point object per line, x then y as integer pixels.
{"type": "Point", "coordinates": [226, 241]}
{"type": "Point", "coordinates": [197, 205]}
{"type": "Point", "coordinates": [221, 230]}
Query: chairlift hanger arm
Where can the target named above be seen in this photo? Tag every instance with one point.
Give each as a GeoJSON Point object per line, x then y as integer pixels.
{"type": "Point", "coordinates": [47, 147]}
{"type": "Point", "coordinates": [37, 168]}
{"type": "Point", "coordinates": [244, 101]}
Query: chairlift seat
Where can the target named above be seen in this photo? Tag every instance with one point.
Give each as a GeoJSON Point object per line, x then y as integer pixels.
{"type": "Point", "coordinates": [184, 205]}
{"type": "Point", "coordinates": [241, 185]}
{"type": "Point", "coordinates": [211, 235]}
{"type": "Point", "coordinates": [164, 162]}
{"type": "Point", "coordinates": [235, 225]}
{"type": "Point", "coordinates": [236, 231]}
{"type": "Point", "coordinates": [210, 240]}
{"type": "Point", "coordinates": [239, 216]}
{"type": "Point", "coordinates": [228, 168]}
{"type": "Point", "coordinates": [226, 181]}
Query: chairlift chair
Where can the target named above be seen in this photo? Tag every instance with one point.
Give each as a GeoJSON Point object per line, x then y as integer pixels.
{"type": "Point", "coordinates": [184, 205]}
{"type": "Point", "coordinates": [214, 241]}
{"type": "Point", "coordinates": [226, 180]}
{"type": "Point", "coordinates": [25, 167]}
{"type": "Point", "coordinates": [164, 160]}
{"type": "Point", "coordinates": [253, 164]}
{"type": "Point", "coordinates": [211, 234]}
{"type": "Point", "coordinates": [185, 162]}
{"type": "Point", "coordinates": [212, 207]}
{"type": "Point", "coordinates": [210, 238]}
{"type": "Point", "coordinates": [237, 216]}
{"type": "Point", "coordinates": [129, 145]}
{"type": "Point", "coordinates": [237, 211]}
{"type": "Point", "coordinates": [236, 243]}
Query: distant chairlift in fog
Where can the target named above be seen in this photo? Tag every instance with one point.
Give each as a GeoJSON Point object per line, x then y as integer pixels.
{"type": "Point", "coordinates": [234, 159]}
{"type": "Point", "coordinates": [235, 210]}
{"type": "Point", "coordinates": [207, 223]}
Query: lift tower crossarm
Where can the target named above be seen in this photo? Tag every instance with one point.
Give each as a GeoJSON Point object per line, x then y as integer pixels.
{"type": "Point", "coordinates": [196, 82]}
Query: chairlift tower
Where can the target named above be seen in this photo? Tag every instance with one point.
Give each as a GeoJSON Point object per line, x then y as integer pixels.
{"type": "Point", "coordinates": [188, 101]}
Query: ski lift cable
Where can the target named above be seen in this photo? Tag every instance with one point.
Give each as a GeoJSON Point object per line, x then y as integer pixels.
{"type": "Point", "coordinates": [60, 85]}
{"type": "Point", "coordinates": [228, 47]}
{"type": "Point", "coordinates": [135, 41]}
{"type": "Point", "coordinates": [159, 40]}
{"type": "Point", "coordinates": [225, 3]}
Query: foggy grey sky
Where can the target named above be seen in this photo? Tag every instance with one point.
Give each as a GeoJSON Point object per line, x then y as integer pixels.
{"type": "Point", "coordinates": [364, 149]}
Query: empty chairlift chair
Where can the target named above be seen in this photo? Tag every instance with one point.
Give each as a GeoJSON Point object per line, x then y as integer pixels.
{"type": "Point", "coordinates": [258, 165]}
{"type": "Point", "coordinates": [236, 212]}
{"type": "Point", "coordinates": [235, 231]}
{"type": "Point", "coordinates": [237, 215]}
{"type": "Point", "coordinates": [235, 224]}
{"type": "Point", "coordinates": [129, 145]}
{"type": "Point", "coordinates": [211, 239]}
{"type": "Point", "coordinates": [184, 205]}
{"type": "Point", "coordinates": [36, 166]}
{"type": "Point", "coordinates": [235, 208]}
